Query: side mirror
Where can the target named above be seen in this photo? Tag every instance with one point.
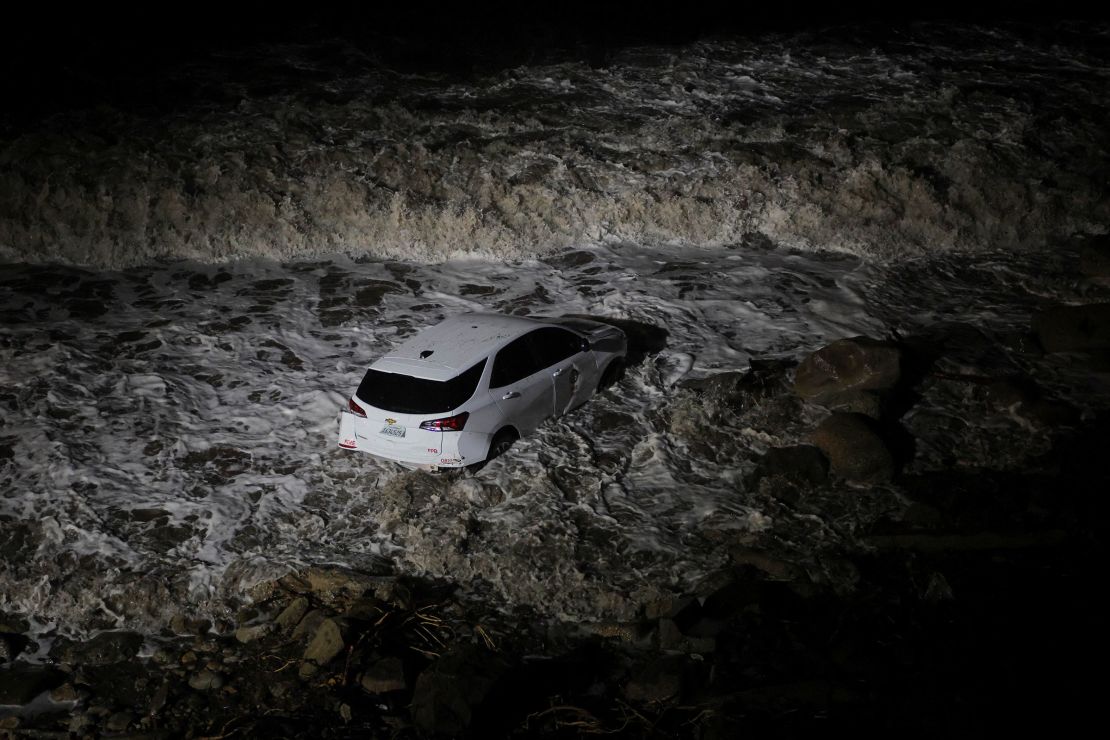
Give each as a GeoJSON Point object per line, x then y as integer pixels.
{"type": "Point", "coordinates": [584, 346]}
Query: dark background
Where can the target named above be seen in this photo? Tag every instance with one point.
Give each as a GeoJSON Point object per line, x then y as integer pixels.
{"type": "Point", "coordinates": [57, 56]}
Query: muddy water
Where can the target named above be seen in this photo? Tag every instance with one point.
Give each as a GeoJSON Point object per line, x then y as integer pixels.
{"type": "Point", "coordinates": [168, 437]}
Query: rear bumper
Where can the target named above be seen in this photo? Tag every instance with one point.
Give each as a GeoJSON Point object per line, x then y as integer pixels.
{"type": "Point", "coordinates": [427, 451]}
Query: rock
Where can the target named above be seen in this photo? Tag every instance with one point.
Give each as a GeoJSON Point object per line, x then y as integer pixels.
{"type": "Point", "coordinates": [859, 364]}
{"type": "Point", "coordinates": [449, 691]}
{"type": "Point", "coordinates": [105, 648]}
{"type": "Point", "coordinates": [309, 623]}
{"type": "Point", "coordinates": [655, 682]}
{"type": "Point", "coordinates": [803, 464]}
{"type": "Point", "coordinates": [334, 585]}
{"type": "Point", "coordinates": [250, 633]}
{"type": "Point", "coordinates": [182, 625]}
{"type": "Point", "coordinates": [854, 448]}
{"type": "Point", "coordinates": [388, 674]}
{"type": "Point", "coordinates": [868, 403]}
{"type": "Point", "coordinates": [206, 680]}
{"type": "Point", "coordinates": [1074, 328]}
{"type": "Point", "coordinates": [1094, 256]}
{"type": "Point", "coordinates": [21, 683]}
{"type": "Point", "coordinates": [65, 692]}
{"type": "Point", "coordinates": [118, 722]}
{"type": "Point", "coordinates": [1005, 393]}
{"type": "Point", "coordinates": [9, 723]}
{"type": "Point", "coordinates": [291, 615]}
{"type": "Point", "coordinates": [326, 643]}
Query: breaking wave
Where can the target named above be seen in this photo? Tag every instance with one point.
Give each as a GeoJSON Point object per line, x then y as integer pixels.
{"type": "Point", "coordinates": [947, 139]}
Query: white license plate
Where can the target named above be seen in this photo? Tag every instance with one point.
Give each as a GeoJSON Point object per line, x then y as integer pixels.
{"type": "Point", "coordinates": [390, 430]}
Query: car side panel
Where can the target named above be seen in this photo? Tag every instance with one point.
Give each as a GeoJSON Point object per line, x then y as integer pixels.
{"type": "Point", "coordinates": [574, 379]}
{"type": "Point", "coordinates": [526, 403]}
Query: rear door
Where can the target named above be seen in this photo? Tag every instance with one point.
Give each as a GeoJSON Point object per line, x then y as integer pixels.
{"type": "Point", "coordinates": [520, 386]}
{"type": "Point", "coordinates": [561, 354]}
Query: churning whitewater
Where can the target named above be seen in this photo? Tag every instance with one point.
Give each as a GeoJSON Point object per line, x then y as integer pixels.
{"type": "Point", "coordinates": [939, 139]}
{"type": "Point", "coordinates": [192, 294]}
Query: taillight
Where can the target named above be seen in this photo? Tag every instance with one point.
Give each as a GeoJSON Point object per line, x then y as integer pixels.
{"type": "Point", "coordinates": [449, 424]}
{"type": "Point", "coordinates": [355, 408]}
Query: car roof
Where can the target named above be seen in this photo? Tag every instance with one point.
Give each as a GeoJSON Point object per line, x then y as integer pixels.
{"type": "Point", "coordinates": [455, 345]}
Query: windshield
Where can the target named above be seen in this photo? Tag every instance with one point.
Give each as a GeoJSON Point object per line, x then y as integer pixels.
{"type": "Point", "coordinates": [405, 394]}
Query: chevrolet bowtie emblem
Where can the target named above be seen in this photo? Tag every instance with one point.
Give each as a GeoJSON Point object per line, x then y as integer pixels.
{"type": "Point", "coordinates": [390, 421]}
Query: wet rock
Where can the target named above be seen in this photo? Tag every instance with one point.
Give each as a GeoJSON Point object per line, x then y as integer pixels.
{"type": "Point", "coordinates": [388, 674]}
{"type": "Point", "coordinates": [868, 403]}
{"type": "Point", "coordinates": [105, 648]}
{"type": "Point", "coordinates": [655, 682]}
{"type": "Point", "coordinates": [449, 691]}
{"type": "Point", "coordinates": [858, 364]}
{"type": "Point", "coordinates": [309, 623]}
{"type": "Point", "coordinates": [21, 683]}
{"type": "Point", "coordinates": [802, 464]}
{"type": "Point", "coordinates": [327, 643]}
{"type": "Point", "coordinates": [854, 448]}
{"type": "Point", "coordinates": [65, 692]}
{"type": "Point", "coordinates": [182, 625]}
{"type": "Point", "coordinates": [291, 615]}
{"type": "Point", "coordinates": [250, 633]}
{"type": "Point", "coordinates": [118, 722]}
{"type": "Point", "coordinates": [1005, 393]}
{"type": "Point", "coordinates": [334, 585]}
{"type": "Point", "coordinates": [1094, 256]}
{"type": "Point", "coordinates": [206, 680]}
{"type": "Point", "coordinates": [1074, 328]}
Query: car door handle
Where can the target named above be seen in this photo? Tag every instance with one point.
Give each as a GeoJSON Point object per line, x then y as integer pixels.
{"type": "Point", "coordinates": [510, 395]}
{"type": "Point", "coordinates": [558, 372]}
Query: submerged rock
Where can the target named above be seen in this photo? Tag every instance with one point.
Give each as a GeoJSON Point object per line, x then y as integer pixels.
{"type": "Point", "coordinates": [858, 364]}
{"type": "Point", "coordinates": [1074, 328]}
{"type": "Point", "coordinates": [855, 450]}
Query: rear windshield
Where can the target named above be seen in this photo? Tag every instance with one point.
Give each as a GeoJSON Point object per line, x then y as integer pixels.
{"type": "Point", "coordinates": [405, 394]}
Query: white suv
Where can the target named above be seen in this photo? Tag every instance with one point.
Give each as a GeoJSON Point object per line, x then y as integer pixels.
{"type": "Point", "coordinates": [463, 391]}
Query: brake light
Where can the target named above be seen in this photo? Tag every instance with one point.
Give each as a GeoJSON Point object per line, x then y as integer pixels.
{"type": "Point", "coordinates": [449, 424]}
{"type": "Point", "coordinates": [355, 408]}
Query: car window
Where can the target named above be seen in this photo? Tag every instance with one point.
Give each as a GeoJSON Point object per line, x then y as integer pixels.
{"type": "Point", "coordinates": [552, 345]}
{"type": "Point", "coordinates": [405, 394]}
{"type": "Point", "coordinates": [514, 362]}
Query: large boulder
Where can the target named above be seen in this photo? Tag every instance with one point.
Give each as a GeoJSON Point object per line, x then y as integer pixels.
{"type": "Point", "coordinates": [854, 448]}
{"type": "Point", "coordinates": [1074, 328]}
{"type": "Point", "coordinates": [847, 367]}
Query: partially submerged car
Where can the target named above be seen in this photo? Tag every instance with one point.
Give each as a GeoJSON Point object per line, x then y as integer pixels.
{"type": "Point", "coordinates": [461, 392]}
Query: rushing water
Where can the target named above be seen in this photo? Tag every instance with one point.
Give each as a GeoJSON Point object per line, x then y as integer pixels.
{"type": "Point", "coordinates": [171, 396]}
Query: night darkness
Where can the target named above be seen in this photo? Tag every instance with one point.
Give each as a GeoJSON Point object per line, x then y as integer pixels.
{"type": "Point", "coordinates": [851, 479]}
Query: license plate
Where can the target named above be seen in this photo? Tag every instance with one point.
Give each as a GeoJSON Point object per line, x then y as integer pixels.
{"type": "Point", "coordinates": [390, 430]}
